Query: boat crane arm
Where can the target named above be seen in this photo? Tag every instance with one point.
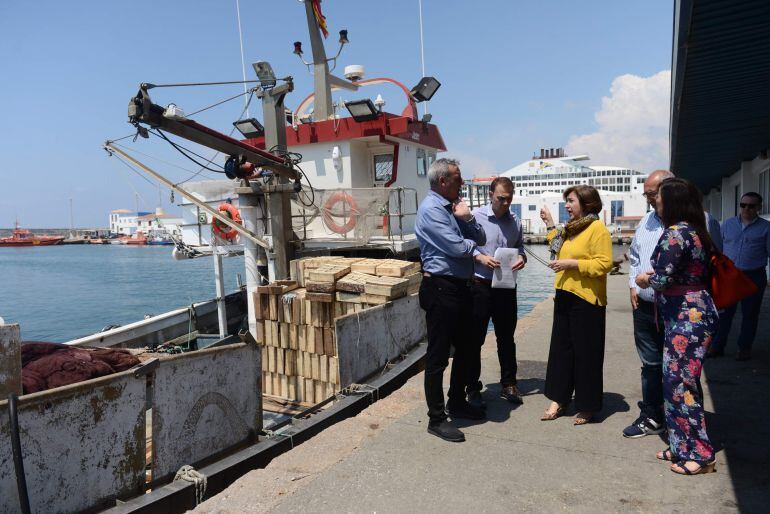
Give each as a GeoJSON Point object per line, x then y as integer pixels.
{"type": "Point", "coordinates": [142, 110]}
{"type": "Point", "coordinates": [203, 205]}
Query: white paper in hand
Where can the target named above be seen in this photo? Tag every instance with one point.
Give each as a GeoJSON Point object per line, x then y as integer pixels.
{"type": "Point", "coordinates": [503, 277]}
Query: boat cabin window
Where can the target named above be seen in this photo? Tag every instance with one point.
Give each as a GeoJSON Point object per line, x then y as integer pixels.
{"type": "Point", "coordinates": [422, 163]}
{"type": "Point", "coordinates": [383, 167]}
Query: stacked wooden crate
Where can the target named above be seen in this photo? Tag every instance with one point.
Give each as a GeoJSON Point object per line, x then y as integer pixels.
{"type": "Point", "coordinates": [295, 319]}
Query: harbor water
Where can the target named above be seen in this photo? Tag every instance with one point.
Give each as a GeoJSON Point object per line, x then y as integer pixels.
{"type": "Point", "coordinates": [61, 293]}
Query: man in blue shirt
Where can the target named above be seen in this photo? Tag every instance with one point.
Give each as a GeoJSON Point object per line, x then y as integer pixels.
{"type": "Point", "coordinates": [448, 234]}
{"type": "Point", "coordinates": [502, 230]}
{"type": "Point", "coordinates": [747, 244]}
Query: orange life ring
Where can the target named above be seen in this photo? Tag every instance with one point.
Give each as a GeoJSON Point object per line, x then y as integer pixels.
{"type": "Point", "coordinates": [223, 230]}
{"type": "Point", "coordinates": [329, 221]}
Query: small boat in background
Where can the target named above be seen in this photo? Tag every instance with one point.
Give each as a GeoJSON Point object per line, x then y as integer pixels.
{"type": "Point", "coordinates": [97, 241]}
{"type": "Point", "coordinates": [74, 239]}
{"type": "Point", "coordinates": [23, 237]}
{"type": "Point", "coordinates": [160, 240]}
{"type": "Point", "coordinates": [137, 239]}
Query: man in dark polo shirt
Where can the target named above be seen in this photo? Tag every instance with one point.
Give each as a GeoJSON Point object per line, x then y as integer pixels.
{"type": "Point", "coordinates": [448, 234]}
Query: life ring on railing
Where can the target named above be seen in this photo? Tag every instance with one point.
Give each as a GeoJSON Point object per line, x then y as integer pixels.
{"type": "Point", "coordinates": [220, 228]}
{"type": "Point", "coordinates": [330, 222]}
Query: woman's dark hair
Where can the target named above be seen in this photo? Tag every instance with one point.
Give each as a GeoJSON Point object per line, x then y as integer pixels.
{"type": "Point", "coordinates": [682, 201]}
{"type": "Point", "coordinates": [588, 196]}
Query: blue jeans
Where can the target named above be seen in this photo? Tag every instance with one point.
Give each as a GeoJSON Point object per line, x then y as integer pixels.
{"type": "Point", "coordinates": [749, 311]}
{"type": "Point", "coordinates": [648, 337]}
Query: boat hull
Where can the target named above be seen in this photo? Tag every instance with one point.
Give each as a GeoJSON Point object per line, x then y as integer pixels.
{"type": "Point", "coordinates": [33, 242]}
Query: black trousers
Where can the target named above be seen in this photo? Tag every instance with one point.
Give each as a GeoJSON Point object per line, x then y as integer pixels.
{"type": "Point", "coordinates": [576, 357]}
{"type": "Point", "coordinates": [499, 305]}
{"type": "Point", "coordinates": [448, 304]}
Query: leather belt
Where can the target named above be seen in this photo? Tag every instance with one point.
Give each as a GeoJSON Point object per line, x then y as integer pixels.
{"type": "Point", "coordinates": [456, 280]}
{"type": "Point", "coordinates": [481, 281]}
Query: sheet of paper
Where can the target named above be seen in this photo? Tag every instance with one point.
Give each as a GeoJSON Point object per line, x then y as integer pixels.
{"type": "Point", "coordinates": [503, 277]}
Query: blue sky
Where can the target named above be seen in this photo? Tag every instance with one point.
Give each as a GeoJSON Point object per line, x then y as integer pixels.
{"type": "Point", "coordinates": [516, 76]}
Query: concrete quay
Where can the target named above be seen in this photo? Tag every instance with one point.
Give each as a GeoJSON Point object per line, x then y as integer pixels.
{"type": "Point", "coordinates": [384, 461]}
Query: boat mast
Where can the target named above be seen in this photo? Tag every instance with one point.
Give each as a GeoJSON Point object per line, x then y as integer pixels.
{"type": "Point", "coordinates": [422, 53]}
{"type": "Point", "coordinates": [322, 107]}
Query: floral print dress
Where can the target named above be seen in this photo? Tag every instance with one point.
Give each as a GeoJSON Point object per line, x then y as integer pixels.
{"type": "Point", "coordinates": [680, 279]}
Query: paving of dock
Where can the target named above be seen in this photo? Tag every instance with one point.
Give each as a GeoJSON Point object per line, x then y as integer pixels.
{"type": "Point", "coordinates": [384, 461]}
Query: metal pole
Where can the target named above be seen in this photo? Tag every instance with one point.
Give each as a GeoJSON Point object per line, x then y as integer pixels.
{"type": "Point", "coordinates": [422, 53]}
{"type": "Point", "coordinates": [277, 200]}
{"type": "Point", "coordinates": [243, 62]}
{"type": "Point", "coordinates": [220, 285]}
{"type": "Point", "coordinates": [248, 204]}
{"type": "Point", "coordinates": [322, 104]}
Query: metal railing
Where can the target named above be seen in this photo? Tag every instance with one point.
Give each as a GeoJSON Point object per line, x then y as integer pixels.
{"type": "Point", "coordinates": [393, 210]}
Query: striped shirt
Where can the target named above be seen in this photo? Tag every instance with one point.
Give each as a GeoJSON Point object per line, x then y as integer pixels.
{"type": "Point", "coordinates": [645, 240]}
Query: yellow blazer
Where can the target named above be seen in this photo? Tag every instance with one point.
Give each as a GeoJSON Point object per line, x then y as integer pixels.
{"type": "Point", "coordinates": [593, 250]}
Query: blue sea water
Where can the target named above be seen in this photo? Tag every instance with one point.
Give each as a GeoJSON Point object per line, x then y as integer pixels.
{"type": "Point", "coordinates": [59, 293]}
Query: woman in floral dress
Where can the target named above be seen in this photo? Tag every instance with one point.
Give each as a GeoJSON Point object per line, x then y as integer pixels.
{"type": "Point", "coordinates": [681, 279]}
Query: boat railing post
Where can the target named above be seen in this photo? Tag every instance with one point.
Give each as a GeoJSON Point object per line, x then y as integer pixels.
{"type": "Point", "coordinates": [220, 285]}
{"type": "Point", "coordinates": [248, 204]}
{"type": "Point", "coordinates": [10, 364]}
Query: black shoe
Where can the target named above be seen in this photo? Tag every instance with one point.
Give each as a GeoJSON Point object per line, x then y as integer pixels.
{"type": "Point", "coordinates": [445, 431]}
{"type": "Point", "coordinates": [512, 394]}
{"type": "Point", "coordinates": [643, 426]}
{"type": "Point", "coordinates": [465, 410]}
{"type": "Point", "coordinates": [476, 400]}
{"type": "Point", "coordinates": [714, 354]}
{"type": "Point", "coordinates": [743, 355]}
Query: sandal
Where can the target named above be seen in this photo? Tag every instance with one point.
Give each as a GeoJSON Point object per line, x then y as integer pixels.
{"type": "Point", "coordinates": [550, 416]}
{"type": "Point", "coordinates": [681, 468]}
{"type": "Point", "coordinates": [667, 455]}
{"type": "Point", "coordinates": [581, 418]}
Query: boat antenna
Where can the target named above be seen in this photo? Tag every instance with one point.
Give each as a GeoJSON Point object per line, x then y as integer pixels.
{"type": "Point", "coordinates": [422, 52]}
{"type": "Point", "coordinates": [243, 62]}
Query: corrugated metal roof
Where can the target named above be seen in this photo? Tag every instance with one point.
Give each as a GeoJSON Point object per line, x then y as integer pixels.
{"type": "Point", "coordinates": [720, 110]}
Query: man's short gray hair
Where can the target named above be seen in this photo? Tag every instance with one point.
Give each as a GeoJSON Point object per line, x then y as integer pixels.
{"type": "Point", "coordinates": [440, 168]}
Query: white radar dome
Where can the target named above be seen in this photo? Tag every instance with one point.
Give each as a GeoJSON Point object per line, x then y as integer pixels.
{"type": "Point", "coordinates": [354, 72]}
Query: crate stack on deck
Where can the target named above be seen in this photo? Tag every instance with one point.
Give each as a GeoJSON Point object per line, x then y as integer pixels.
{"type": "Point", "coordinates": [295, 319]}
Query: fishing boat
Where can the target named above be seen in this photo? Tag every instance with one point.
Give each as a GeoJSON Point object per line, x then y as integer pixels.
{"type": "Point", "coordinates": [203, 401]}
{"type": "Point", "coordinates": [23, 237]}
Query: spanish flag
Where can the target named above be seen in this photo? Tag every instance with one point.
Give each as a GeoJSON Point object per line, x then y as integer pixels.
{"type": "Point", "coordinates": [320, 18]}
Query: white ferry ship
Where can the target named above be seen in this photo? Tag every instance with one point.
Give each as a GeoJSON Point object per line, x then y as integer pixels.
{"type": "Point", "coordinates": [541, 180]}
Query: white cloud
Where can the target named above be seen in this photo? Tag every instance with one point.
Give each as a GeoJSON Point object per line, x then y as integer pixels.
{"type": "Point", "coordinates": [472, 165]}
{"type": "Point", "coordinates": [632, 125]}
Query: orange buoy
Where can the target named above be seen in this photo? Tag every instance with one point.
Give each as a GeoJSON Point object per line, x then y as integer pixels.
{"type": "Point", "coordinates": [223, 230]}
{"type": "Point", "coordinates": [330, 222]}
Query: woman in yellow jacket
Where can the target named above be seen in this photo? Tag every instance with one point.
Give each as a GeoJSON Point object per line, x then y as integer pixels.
{"type": "Point", "coordinates": [582, 253]}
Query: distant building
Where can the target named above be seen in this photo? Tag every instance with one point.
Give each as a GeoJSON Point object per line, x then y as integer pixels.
{"type": "Point", "coordinates": [123, 222]}
{"type": "Point", "coordinates": [159, 224]}
{"type": "Point", "coordinates": [541, 181]}
{"type": "Point", "coordinates": [127, 223]}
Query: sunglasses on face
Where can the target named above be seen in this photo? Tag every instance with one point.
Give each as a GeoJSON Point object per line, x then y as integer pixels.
{"type": "Point", "coordinates": [749, 205]}
{"type": "Point", "coordinates": [650, 194]}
